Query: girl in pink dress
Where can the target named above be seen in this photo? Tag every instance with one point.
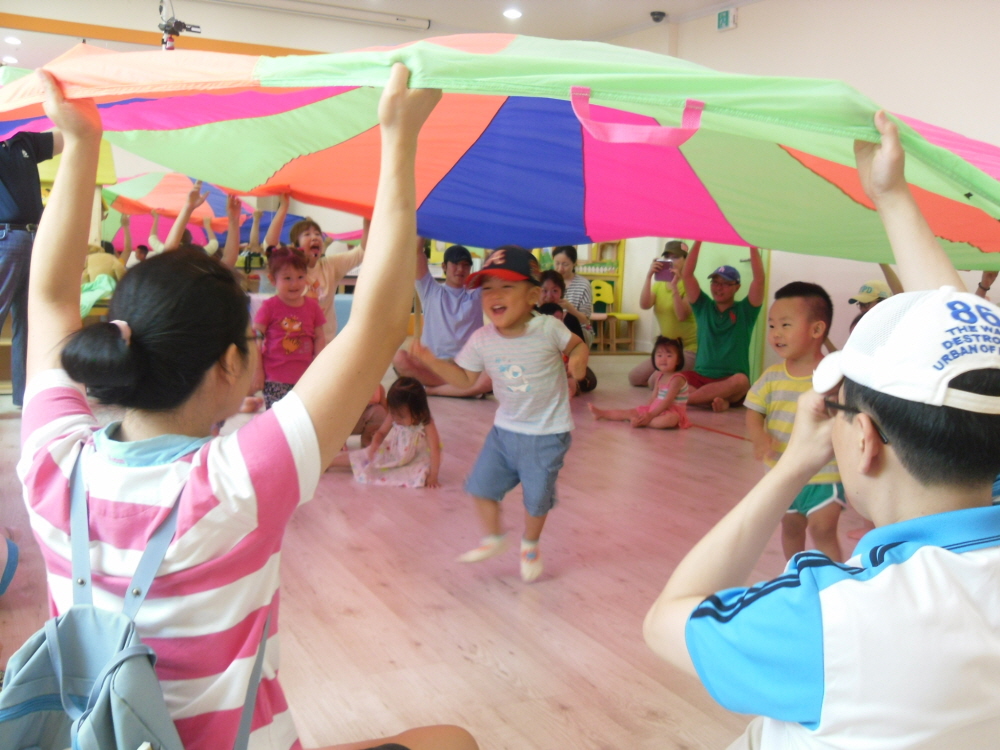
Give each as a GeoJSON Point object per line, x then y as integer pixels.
{"type": "Point", "coordinates": [667, 409]}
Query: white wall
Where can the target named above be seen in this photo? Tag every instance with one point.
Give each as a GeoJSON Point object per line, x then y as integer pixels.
{"type": "Point", "coordinates": [930, 60]}
{"type": "Point", "coordinates": [225, 22]}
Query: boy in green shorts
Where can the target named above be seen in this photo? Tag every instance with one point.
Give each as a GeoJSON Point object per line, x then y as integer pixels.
{"type": "Point", "coordinates": [798, 323]}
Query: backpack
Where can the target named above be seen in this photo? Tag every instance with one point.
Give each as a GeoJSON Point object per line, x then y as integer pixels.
{"type": "Point", "coordinates": [86, 681]}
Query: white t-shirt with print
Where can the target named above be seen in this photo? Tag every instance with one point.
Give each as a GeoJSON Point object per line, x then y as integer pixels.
{"type": "Point", "coordinates": [529, 378]}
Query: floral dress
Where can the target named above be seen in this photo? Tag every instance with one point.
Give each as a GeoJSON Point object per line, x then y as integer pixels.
{"type": "Point", "coordinates": [403, 459]}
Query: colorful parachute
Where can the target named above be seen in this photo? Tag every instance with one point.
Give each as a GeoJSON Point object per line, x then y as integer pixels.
{"type": "Point", "coordinates": [166, 192]}
{"type": "Point", "coordinates": [539, 142]}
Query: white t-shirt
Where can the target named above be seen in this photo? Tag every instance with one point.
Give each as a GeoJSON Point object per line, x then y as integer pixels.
{"type": "Point", "coordinates": [451, 316]}
{"type": "Point", "coordinates": [529, 378]}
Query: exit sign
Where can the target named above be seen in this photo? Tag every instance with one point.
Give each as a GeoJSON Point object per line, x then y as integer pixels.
{"type": "Point", "coordinates": [725, 19]}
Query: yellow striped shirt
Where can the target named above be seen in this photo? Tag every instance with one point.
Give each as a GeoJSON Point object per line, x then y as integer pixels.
{"type": "Point", "coordinates": [776, 395]}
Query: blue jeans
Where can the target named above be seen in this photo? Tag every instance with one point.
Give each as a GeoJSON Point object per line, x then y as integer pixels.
{"type": "Point", "coordinates": [15, 260]}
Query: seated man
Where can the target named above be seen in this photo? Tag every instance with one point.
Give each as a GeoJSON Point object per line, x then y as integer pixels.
{"type": "Point", "coordinates": [900, 646]}
{"type": "Point", "coordinates": [452, 314]}
{"type": "Point", "coordinates": [721, 376]}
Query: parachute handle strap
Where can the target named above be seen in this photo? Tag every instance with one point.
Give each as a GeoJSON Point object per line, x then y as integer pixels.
{"type": "Point", "coordinates": [619, 132]}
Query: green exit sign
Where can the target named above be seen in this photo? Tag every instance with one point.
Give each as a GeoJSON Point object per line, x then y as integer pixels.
{"type": "Point", "coordinates": [725, 19]}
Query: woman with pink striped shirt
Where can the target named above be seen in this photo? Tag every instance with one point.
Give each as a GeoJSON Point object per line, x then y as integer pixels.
{"type": "Point", "coordinates": [179, 356]}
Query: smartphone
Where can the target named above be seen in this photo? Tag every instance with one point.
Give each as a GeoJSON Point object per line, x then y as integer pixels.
{"type": "Point", "coordinates": [667, 272]}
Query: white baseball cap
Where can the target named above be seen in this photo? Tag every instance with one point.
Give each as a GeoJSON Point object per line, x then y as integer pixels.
{"type": "Point", "coordinates": [913, 344]}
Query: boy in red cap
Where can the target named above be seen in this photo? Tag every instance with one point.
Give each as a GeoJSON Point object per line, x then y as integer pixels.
{"type": "Point", "coordinates": [522, 354]}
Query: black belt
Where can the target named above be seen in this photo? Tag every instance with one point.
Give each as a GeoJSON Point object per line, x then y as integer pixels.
{"type": "Point", "coordinates": [18, 227]}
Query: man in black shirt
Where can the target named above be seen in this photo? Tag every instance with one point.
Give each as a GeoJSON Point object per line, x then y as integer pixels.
{"type": "Point", "coordinates": [20, 212]}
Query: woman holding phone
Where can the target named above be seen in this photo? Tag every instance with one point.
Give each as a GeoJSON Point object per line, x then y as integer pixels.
{"type": "Point", "coordinates": [664, 293]}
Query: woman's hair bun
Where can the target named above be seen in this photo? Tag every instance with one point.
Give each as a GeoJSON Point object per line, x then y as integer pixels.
{"type": "Point", "coordinates": [98, 356]}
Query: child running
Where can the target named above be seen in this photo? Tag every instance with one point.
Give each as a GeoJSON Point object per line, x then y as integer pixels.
{"type": "Point", "coordinates": [406, 449]}
{"type": "Point", "coordinates": [522, 354]}
{"type": "Point", "coordinates": [290, 323]}
{"type": "Point", "coordinates": [798, 323]}
{"type": "Point", "coordinates": [667, 409]}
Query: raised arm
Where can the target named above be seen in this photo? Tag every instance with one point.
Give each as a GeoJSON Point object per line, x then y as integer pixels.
{"type": "Point", "coordinates": [126, 240]}
{"type": "Point", "coordinates": [985, 283]}
{"type": "Point", "coordinates": [231, 252]}
{"type": "Point", "coordinates": [61, 242]}
{"type": "Point", "coordinates": [206, 224]}
{"type": "Point", "coordinates": [340, 380]}
{"type": "Point", "coordinates": [422, 267]}
{"type": "Point", "coordinates": [273, 236]}
{"type": "Point", "coordinates": [682, 308]}
{"type": "Point", "coordinates": [646, 299]}
{"type": "Point", "coordinates": [254, 243]}
{"type": "Point", "coordinates": [891, 278]}
{"type": "Point", "coordinates": [725, 557]}
{"type": "Point", "coordinates": [755, 295]}
{"type": "Point", "coordinates": [920, 259]}
{"type": "Point", "coordinates": [692, 290]}
{"type": "Point", "coordinates": [194, 199]}
{"type": "Point", "coordinates": [154, 241]}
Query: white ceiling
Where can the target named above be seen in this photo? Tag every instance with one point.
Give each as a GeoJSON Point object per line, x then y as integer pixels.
{"type": "Point", "coordinates": [558, 19]}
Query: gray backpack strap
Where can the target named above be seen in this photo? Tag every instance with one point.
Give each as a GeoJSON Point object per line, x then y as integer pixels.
{"type": "Point", "coordinates": [243, 736]}
{"type": "Point", "coordinates": [79, 534]}
{"type": "Point", "coordinates": [145, 572]}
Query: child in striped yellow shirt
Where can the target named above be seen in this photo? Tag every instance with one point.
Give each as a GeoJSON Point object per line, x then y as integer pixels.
{"type": "Point", "coordinates": [798, 323]}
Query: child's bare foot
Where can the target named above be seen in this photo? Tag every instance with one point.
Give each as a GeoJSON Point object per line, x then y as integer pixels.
{"type": "Point", "coordinates": [598, 413]}
{"type": "Point", "coordinates": [719, 404]}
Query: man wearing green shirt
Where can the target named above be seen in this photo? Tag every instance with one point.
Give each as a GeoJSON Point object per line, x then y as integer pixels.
{"type": "Point", "coordinates": [722, 375]}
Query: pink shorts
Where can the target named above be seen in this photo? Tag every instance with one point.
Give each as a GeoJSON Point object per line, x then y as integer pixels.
{"type": "Point", "coordinates": [679, 409]}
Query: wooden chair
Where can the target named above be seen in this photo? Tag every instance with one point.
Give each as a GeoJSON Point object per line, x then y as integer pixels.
{"type": "Point", "coordinates": [604, 294]}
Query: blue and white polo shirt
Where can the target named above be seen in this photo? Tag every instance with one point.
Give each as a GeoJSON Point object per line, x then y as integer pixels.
{"type": "Point", "coordinates": [897, 648]}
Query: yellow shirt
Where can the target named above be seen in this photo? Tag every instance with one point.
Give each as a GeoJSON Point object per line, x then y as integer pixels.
{"type": "Point", "coordinates": [670, 326]}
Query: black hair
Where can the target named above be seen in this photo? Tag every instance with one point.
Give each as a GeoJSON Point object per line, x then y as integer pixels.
{"type": "Point", "coordinates": [856, 320]}
{"type": "Point", "coordinates": [568, 250]}
{"type": "Point", "coordinates": [938, 445]}
{"type": "Point", "coordinates": [409, 393]}
{"type": "Point", "coordinates": [107, 247]}
{"type": "Point", "coordinates": [819, 302]}
{"type": "Point", "coordinates": [555, 277]}
{"type": "Point", "coordinates": [184, 310]}
{"type": "Point", "coordinates": [551, 308]}
{"type": "Point", "coordinates": [299, 227]}
{"type": "Point", "coordinates": [677, 345]}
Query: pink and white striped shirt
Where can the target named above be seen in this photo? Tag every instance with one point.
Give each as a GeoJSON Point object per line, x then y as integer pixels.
{"type": "Point", "coordinates": [205, 613]}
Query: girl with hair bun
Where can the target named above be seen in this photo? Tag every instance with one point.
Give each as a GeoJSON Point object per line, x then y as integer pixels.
{"type": "Point", "coordinates": [179, 356]}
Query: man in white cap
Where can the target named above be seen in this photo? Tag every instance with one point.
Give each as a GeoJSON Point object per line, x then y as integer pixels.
{"type": "Point", "coordinates": [900, 646]}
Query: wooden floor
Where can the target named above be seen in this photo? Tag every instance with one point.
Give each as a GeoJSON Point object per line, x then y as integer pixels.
{"type": "Point", "coordinates": [382, 630]}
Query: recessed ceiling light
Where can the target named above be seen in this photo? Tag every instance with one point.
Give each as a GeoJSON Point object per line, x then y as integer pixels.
{"type": "Point", "coordinates": [9, 60]}
{"type": "Point", "coordinates": [512, 13]}
{"type": "Point", "coordinates": [13, 40]}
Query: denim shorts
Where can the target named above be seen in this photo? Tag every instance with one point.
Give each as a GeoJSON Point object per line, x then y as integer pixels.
{"type": "Point", "coordinates": [509, 458]}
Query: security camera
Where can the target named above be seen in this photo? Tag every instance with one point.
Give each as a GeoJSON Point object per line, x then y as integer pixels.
{"type": "Point", "coordinates": [657, 16]}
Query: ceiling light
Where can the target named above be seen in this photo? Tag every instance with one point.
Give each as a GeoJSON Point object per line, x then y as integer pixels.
{"type": "Point", "coordinates": [12, 40]}
{"type": "Point", "coordinates": [512, 13]}
{"type": "Point", "coordinates": [9, 60]}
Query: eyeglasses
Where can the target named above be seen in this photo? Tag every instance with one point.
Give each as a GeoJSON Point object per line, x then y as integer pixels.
{"type": "Point", "coordinates": [833, 407]}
